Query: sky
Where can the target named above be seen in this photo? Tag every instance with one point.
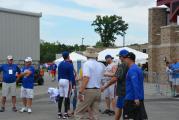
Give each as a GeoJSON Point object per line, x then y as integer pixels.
{"type": "Point", "coordinates": [68, 21]}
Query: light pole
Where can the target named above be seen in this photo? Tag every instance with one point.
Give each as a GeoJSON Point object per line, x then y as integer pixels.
{"type": "Point", "coordinates": [82, 40]}
{"type": "Point", "coordinates": [124, 40]}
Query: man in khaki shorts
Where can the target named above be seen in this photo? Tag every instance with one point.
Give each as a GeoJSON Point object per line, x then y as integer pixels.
{"type": "Point", "coordinates": [89, 93]}
{"type": "Point", "coordinates": [9, 82]}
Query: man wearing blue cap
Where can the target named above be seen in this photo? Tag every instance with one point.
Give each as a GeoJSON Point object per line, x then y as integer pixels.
{"type": "Point", "coordinates": [66, 80]}
{"type": "Point", "coordinates": [120, 78]}
{"type": "Point", "coordinates": [134, 108]}
{"type": "Point", "coordinates": [109, 93]}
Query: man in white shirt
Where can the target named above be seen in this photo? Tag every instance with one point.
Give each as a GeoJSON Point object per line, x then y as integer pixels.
{"type": "Point", "coordinates": [109, 93]}
{"type": "Point", "coordinates": [89, 93]}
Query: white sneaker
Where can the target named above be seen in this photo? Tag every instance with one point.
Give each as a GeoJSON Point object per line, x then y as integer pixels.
{"type": "Point", "coordinates": [29, 110]}
{"type": "Point", "coordinates": [23, 110]}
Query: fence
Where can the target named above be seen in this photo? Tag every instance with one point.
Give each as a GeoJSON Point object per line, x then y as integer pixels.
{"type": "Point", "coordinates": [158, 84]}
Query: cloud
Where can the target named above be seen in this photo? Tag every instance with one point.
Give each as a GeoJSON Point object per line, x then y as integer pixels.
{"type": "Point", "coordinates": [99, 4]}
{"type": "Point", "coordinates": [132, 11]}
{"type": "Point", "coordinates": [48, 9]}
{"type": "Point", "coordinates": [133, 3]}
{"type": "Point", "coordinates": [104, 7]}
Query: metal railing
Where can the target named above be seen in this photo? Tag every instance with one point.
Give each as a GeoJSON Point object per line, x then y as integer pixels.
{"type": "Point", "coordinates": [158, 83]}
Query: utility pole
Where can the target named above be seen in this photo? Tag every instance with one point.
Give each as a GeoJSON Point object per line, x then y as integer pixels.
{"type": "Point", "coordinates": [82, 43]}
{"type": "Point", "coordinates": [82, 40]}
{"type": "Point", "coordinates": [124, 40]}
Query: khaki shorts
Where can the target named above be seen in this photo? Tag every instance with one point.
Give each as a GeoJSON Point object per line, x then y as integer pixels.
{"type": "Point", "coordinates": [110, 92]}
{"type": "Point", "coordinates": [8, 88]}
{"type": "Point", "coordinates": [27, 93]}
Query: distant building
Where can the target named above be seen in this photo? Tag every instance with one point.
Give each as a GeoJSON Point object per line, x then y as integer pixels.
{"type": "Point", "coordinates": [139, 47]}
{"type": "Point", "coordinates": [19, 35]}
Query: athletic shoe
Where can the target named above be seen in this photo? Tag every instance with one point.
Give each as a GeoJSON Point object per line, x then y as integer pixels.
{"type": "Point", "coordinates": [60, 115]}
{"type": "Point", "coordinates": [29, 110]}
{"type": "Point", "coordinates": [106, 111]}
{"type": "Point", "coordinates": [111, 113]}
{"type": "Point", "coordinates": [65, 116]}
{"type": "Point", "coordinates": [23, 110]}
{"type": "Point", "coordinates": [2, 109]}
{"type": "Point", "coordinates": [14, 109]}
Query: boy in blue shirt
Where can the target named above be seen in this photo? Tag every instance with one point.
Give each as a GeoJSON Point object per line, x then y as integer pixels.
{"type": "Point", "coordinates": [53, 71]}
{"type": "Point", "coordinates": [27, 85]}
{"type": "Point", "coordinates": [134, 100]}
{"type": "Point", "coordinates": [9, 82]}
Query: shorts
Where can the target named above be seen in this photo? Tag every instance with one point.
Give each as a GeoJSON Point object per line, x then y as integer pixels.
{"type": "Point", "coordinates": [175, 81]}
{"type": "Point", "coordinates": [8, 88]}
{"type": "Point", "coordinates": [131, 111]}
{"type": "Point", "coordinates": [120, 102]}
{"type": "Point", "coordinates": [27, 93]}
{"type": "Point", "coordinates": [64, 88]}
{"type": "Point", "coordinates": [53, 72]}
{"type": "Point", "coordinates": [110, 92]}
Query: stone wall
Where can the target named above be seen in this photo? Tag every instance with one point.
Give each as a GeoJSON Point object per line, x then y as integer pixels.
{"type": "Point", "coordinates": [163, 42]}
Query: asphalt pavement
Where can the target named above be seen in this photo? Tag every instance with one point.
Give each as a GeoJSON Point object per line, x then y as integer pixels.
{"type": "Point", "coordinates": [158, 107]}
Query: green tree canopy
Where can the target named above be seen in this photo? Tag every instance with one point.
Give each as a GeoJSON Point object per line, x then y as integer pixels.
{"type": "Point", "coordinates": [108, 27]}
{"type": "Point", "coordinates": [49, 50]}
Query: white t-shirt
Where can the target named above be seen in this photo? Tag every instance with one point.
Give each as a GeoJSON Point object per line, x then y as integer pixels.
{"type": "Point", "coordinates": [95, 71]}
{"type": "Point", "coordinates": [109, 69]}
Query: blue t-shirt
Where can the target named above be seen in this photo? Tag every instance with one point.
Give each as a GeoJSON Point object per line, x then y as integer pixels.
{"type": "Point", "coordinates": [28, 82]}
{"type": "Point", "coordinates": [9, 72]}
{"type": "Point", "coordinates": [134, 83]}
{"type": "Point", "coordinates": [54, 67]}
{"type": "Point", "coordinates": [175, 68]}
{"type": "Point", "coordinates": [66, 71]}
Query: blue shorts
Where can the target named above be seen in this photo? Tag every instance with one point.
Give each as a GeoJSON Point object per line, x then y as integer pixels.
{"type": "Point", "coordinates": [120, 102]}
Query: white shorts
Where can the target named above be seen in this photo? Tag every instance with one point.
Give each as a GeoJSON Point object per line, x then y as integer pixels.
{"type": "Point", "coordinates": [175, 81]}
{"type": "Point", "coordinates": [27, 93]}
{"type": "Point", "coordinates": [8, 88]}
{"type": "Point", "coordinates": [110, 91]}
{"type": "Point", "coordinates": [64, 88]}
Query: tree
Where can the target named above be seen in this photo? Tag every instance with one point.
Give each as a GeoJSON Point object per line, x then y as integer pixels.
{"type": "Point", "coordinates": [99, 44]}
{"type": "Point", "coordinates": [49, 50]}
{"type": "Point", "coordinates": [108, 27]}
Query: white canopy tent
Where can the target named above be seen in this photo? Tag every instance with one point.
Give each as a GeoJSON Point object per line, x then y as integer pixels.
{"type": "Point", "coordinates": [74, 57]}
{"type": "Point", "coordinates": [140, 57]}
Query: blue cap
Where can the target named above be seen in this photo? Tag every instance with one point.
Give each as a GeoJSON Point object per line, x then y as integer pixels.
{"type": "Point", "coordinates": [108, 56]}
{"type": "Point", "coordinates": [65, 54]}
{"type": "Point", "coordinates": [123, 53]}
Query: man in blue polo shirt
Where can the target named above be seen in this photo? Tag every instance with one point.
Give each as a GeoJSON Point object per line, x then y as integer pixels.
{"type": "Point", "coordinates": [66, 80]}
{"type": "Point", "coordinates": [134, 100]}
{"type": "Point", "coordinates": [27, 92]}
{"type": "Point", "coordinates": [175, 75]}
{"type": "Point", "coordinates": [9, 82]}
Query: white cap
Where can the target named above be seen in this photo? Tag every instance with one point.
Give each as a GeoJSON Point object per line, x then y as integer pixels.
{"type": "Point", "coordinates": [28, 59]}
{"type": "Point", "coordinates": [9, 57]}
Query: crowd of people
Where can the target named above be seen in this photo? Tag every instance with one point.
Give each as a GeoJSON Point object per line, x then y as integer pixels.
{"type": "Point", "coordinates": [124, 80]}
{"type": "Point", "coordinates": [121, 84]}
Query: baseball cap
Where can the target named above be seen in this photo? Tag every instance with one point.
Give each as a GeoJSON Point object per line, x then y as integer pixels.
{"type": "Point", "coordinates": [123, 53]}
{"type": "Point", "coordinates": [108, 56]}
{"type": "Point", "coordinates": [9, 57]}
{"type": "Point", "coordinates": [28, 59]}
{"type": "Point", "coordinates": [131, 56]}
{"type": "Point", "coordinates": [65, 54]}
